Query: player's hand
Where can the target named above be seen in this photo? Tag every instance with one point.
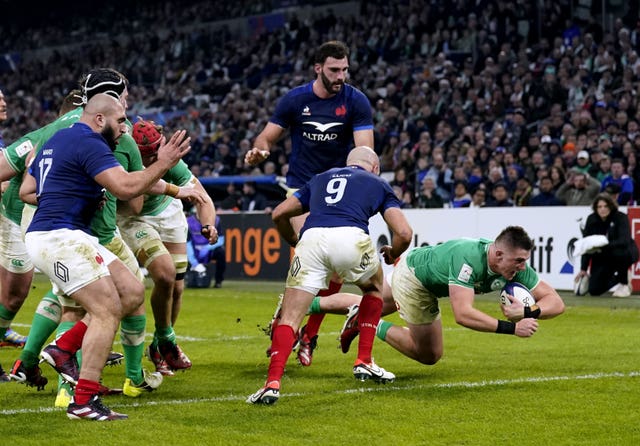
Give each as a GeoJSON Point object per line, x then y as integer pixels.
{"type": "Point", "coordinates": [210, 232]}
{"type": "Point", "coordinates": [255, 156]}
{"type": "Point", "coordinates": [386, 254]}
{"type": "Point", "coordinates": [192, 195]}
{"type": "Point", "coordinates": [525, 328]}
{"type": "Point", "coordinates": [515, 311]}
{"type": "Point", "coordinates": [172, 151]}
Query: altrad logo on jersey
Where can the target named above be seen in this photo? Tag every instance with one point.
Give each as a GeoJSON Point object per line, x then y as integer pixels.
{"type": "Point", "coordinates": [322, 128]}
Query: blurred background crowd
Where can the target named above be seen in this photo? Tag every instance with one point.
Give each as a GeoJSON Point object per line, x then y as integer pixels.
{"type": "Point", "coordinates": [475, 102]}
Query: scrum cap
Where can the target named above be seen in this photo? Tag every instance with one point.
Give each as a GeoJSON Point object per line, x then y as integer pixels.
{"type": "Point", "coordinates": [147, 135]}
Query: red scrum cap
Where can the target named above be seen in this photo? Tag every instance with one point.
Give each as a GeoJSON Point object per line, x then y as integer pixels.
{"type": "Point", "coordinates": [147, 135]}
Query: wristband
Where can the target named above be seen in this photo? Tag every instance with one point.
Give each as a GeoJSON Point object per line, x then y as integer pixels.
{"type": "Point", "coordinates": [205, 228]}
{"type": "Point", "coordinates": [533, 312]}
{"type": "Point", "coordinates": [172, 190]}
{"type": "Point", "coordinates": [506, 327]}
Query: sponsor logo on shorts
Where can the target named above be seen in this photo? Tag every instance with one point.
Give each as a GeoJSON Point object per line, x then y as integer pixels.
{"type": "Point", "coordinates": [61, 271]}
{"type": "Point", "coordinates": [17, 262]}
{"type": "Point", "coordinates": [295, 266]}
{"type": "Point", "coordinates": [141, 234]}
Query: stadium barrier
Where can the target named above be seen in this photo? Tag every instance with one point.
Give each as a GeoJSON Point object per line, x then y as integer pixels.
{"type": "Point", "coordinates": [255, 250]}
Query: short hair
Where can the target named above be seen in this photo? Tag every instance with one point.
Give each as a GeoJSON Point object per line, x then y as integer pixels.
{"type": "Point", "coordinates": [102, 80]}
{"type": "Point", "coordinates": [515, 237]}
{"type": "Point", "coordinates": [608, 199]}
{"type": "Point", "coordinates": [332, 48]}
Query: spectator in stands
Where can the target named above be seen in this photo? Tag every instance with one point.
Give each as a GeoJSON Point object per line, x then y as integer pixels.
{"type": "Point", "coordinates": [233, 200]}
{"type": "Point", "coordinates": [461, 197]}
{"type": "Point", "coordinates": [479, 196]}
{"type": "Point", "coordinates": [252, 200]}
{"type": "Point", "coordinates": [579, 189]}
{"type": "Point", "coordinates": [609, 265]}
{"type": "Point", "coordinates": [500, 194]}
{"type": "Point", "coordinates": [604, 167]}
{"type": "Point", "coordinates": [429, 196]}
{"type": "Point", "coordinates": [619, 177]}
{"type": "Point", "coordinates": [546, 196]}
{"type": "Point", "coordinates": [523, 192]}
{"type": "Point", "coordinates": [582, 162]}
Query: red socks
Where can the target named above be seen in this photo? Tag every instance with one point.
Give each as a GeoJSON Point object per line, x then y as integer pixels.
{"type": "Point", "coordinates": [368, 318]}
{"type": "Point", "coordinates": [71, 341]}
{"type": "Point", "coordinates": [281, 347]}
{"type": "Point", "coordinates": [85, 390]}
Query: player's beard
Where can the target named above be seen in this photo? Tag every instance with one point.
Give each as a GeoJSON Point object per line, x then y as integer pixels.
{"type": "Point", "coordinates": [330, 86]}
{"type": "Point", "coordinates": [110, 136]}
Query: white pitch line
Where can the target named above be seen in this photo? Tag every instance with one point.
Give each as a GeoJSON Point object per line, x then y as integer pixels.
{"type": "Point", "coordinates": [380, 388]}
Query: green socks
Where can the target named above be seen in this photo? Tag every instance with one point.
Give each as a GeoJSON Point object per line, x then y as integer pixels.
{"type": "Point", "coordinates": [132, 329]}
{"type": "Point", "coordinates": [383, 328]}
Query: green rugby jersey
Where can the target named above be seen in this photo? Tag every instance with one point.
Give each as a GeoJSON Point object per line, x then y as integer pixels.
{"type": "Point", "coordinates": [461, 262]}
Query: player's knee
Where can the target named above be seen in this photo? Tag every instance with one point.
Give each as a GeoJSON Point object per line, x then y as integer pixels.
{"type": "Point", "coordinates": [429, 358]}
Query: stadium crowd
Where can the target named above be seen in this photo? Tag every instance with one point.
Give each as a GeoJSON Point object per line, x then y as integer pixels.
{"type": "Point", "coordinates": [488, 96]}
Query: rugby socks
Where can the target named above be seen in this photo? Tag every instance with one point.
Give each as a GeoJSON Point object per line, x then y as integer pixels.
{"type": "Point", "coordinates": [368, 318]}
{"type": "Point", "coordinates": [163, 335]}
{"type": "Point", "coordinates": [85, 390]}
{"type": "Point", "coordinates": [62, 329]}
{"type": "Point", "coordinates": [383, 328]}
{"type": "Point", "coordinates": [6, 317]}
{"type": "Point", "coordinates": [71, 340]}
{"type": "Point", "coordinates": [315, 319]}
{"type": "Point", "coordinates": [44, 323]}
{"type": "Point", "coordinates": [314, 308]}
{"type": "Point", "coordinates": [281, 346]}
{"type": "Point", "coordinates": [132, 330]}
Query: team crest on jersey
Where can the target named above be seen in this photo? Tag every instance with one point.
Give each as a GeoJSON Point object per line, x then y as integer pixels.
{"type": "Point", "coordinates": [341, 111]}
{"type": "Point", "coordinates": [465, 273]}
{"type": "Point", "coordinates": [498, 284]}
{"type": "Point", "coordinates": [306, 111]}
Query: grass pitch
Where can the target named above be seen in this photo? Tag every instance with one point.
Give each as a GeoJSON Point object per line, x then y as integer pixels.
{"type": "Point", "coordinates": [575, 382]}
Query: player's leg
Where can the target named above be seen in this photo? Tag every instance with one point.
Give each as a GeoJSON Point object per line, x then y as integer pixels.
{"type": "Point", "coordinates": [421, 342]}
{"type": "Point", "coordinates": [294, 307]}
{"type": "Point", "coordinates": [133, 323]}
{"type": "Point", "coordinates": [44, 323]}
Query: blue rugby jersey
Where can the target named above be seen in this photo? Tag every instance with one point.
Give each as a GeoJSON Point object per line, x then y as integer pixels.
{"type": "Point", "coordinates": [345, 196]}
{"type": "Point", "coordinates": [321, 129]}
{"type": "Point", "coordinates": [65, 168]}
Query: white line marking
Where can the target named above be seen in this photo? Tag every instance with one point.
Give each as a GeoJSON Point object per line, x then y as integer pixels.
{"type": "Point", "coordinates": [377, 388]}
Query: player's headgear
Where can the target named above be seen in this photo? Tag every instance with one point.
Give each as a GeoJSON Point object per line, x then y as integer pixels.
{"type": "Point", "coordinates": [102, 80]}
{"type": "Point", "coordinates": [147, 135]}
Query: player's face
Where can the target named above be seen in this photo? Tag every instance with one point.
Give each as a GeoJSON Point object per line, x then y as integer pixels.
{"type": "Point", "coordinates": [3, 107]}
{"type": "Point", "coordinates": [511, 261]}
{"type": "Point", "coordinates": [115, 127]}
{"type": "Point", "coordinates": [333, 73]}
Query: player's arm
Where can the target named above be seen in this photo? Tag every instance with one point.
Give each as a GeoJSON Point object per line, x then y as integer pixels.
{"type": "Point", "coordinates": [402, 234]}
{"type": "Point", "coordinates": [194, 195]}
{"type": "Point", "coordinates": [269, 136]}
{"type": "Point", "coordinates": [206, 212]}
{"type": "Point", "coordinates": [547, 300]}
{"type": "Point", "coordinates": [127, 185]}
{"type": "Point", "coordinates": [27, 191]}
{"type": "Point", "coordinates": [291, 207]}
{"type": "Point", "coordinates": [465, 314]}
{"type": "Point", "coordinates": [6, 171]}
{"type": "Point", "coordinates": [363, 138]}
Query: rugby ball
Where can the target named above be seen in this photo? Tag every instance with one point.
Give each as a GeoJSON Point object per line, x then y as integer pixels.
{"type": "Point", "coordinates": [519, 291]}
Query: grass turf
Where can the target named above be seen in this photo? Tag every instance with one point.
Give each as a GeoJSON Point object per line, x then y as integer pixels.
{"type": "Point", "coordinates": [573, 383]}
